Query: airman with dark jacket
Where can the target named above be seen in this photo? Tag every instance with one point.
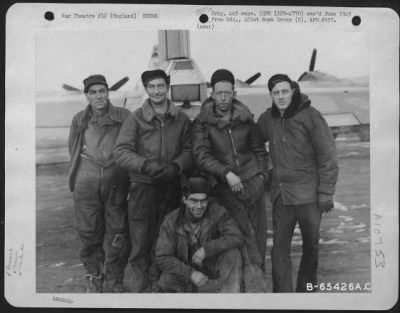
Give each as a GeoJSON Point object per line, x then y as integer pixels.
{"type": "Point", "coordinates": [304, 175]}
{"type": "Point", "coordinates": [228, 147]}
{"type": "Point", "coordinates": [154, 145]}
{"type": "Point", "coordinates": [198, 248]}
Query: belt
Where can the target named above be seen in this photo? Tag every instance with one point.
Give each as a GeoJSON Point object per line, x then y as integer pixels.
{"type": "Point", "coordinates": [96, 163]}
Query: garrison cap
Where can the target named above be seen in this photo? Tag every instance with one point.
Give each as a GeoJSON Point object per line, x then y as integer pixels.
{"type": "Point", "coordinates": [222, 75]}
{"type": "Point", "coordinates": [150, 75]}
{"type": "Point", "coordinates": [195, 185]}
{"type": "Point", "coordinates": [92, 80]}
{"type": "Point", "coordinates": [278, 78]}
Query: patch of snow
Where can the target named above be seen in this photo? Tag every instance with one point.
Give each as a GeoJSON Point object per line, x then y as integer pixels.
{"type": "Point", "coordinates": [346, 218]}
{"type": "Point", "coordinates": [340, 206]}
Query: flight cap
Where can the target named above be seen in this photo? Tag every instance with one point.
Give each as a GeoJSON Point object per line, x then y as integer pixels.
{"type": "Point", "coordinates": [195, 185]}
{"type": "Point", "coordinates": [222, 75]}
{"type": "Point", "coordinates": [147, 76]}
{"type": "Point", "coordinates": [92, 80]}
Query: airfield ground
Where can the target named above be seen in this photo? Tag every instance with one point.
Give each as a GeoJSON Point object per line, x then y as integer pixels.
{"type": "Point", "coordinates": [345, 232]}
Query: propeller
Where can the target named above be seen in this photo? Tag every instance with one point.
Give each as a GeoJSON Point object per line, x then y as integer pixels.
{"type": "Point", "coordinates": [71, 88]}
{"type": "Point", "coordinates": [245, 83]}
{"type": "Point", "coordinates": [114, 87]}
{"type": "Point", "coordinates": [253, 78]}
{"type": "Point", "coordinates": [308, 75]}
{"type": "Point", "coordinates": [312, 61]}
{"type": "Point", "coordinates": [317, 76]}
{"type": "Point", "coordinates": [119, 84]}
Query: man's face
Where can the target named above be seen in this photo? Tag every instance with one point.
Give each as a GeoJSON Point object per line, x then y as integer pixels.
{"type": "Point", "coordinates": [223, 94]}
{"type": "Point", "coordinates": [157, 89]}
{"type": "Point", "coordinates": [282, 94]}
{"type": "Point", "coordinates": [196, 205]}
{"type": "Point", "coordinates": [97, 96]}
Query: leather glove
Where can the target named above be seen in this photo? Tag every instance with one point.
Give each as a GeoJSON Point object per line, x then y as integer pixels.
{"type": "Point", "coordinates": [166, 173]}
{"type": "Point", "coordinates": [325, 202]}
{"type": "Point", "coordinates": [152, 167]}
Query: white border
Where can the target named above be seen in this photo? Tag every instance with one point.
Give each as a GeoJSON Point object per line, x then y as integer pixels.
{"type": "Point", "coordinates": [22, 22]}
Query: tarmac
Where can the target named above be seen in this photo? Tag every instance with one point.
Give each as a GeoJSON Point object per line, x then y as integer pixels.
{"type": "Point", "coordinates": [345, 244]}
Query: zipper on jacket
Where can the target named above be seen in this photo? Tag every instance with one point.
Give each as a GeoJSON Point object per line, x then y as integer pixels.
{"type": "Point", "coordinates": [162, 140]}
{"type": "Point", "coordinates": [283, 130]}
{"type": "Point", "coordinates": [101, 182]}
{"type": "Point", "coordinates": [234, 148]}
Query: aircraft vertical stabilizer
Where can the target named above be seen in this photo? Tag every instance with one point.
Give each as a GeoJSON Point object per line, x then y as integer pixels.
{"type": "Point", "coordinates": [173, 44]}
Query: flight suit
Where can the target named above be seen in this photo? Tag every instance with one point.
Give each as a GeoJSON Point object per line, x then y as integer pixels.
{"type": "Point", "coordinates": [100, 194]}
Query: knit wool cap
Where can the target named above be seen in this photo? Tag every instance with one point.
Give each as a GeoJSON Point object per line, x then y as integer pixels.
{"type": "Point", "coordinates": [92, 80]}
{"type": "Point", "coordinates": [278, 78]}
{"type": "Point", "coordinates": [195, 185]}
{"type": "Point", "coordinates": [147, 76]}
{"type": "Point", "coordinates": [222, 75]}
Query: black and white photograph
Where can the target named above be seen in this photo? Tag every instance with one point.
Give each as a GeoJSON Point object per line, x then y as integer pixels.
{"type": "Point", "coordinates": [235, 153]}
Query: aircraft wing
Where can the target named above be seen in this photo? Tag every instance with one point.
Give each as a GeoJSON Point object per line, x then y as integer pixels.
{"type": "Point", "coordinates": [343, 102]}
{"type": "Point", "coordinates": [345, 108]}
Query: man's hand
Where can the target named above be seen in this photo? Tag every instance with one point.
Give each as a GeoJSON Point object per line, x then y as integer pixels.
{"type": "Point", "coordinates": [166, 173]}
{"type": "Point", "coordinates": [263, 177]}
{"type": "Point", "coordinates": [267, 180]}
{"type": "Point", "coordinates": [152, 167]}
{"type": "Point", "coordinates": [325, 202]}
{"type": "Point", "coordinates": [234, 182]}
{"type": "Point", "coordinates": [199, 256]}
{"type": "Point", "coordinates": [198, 278]}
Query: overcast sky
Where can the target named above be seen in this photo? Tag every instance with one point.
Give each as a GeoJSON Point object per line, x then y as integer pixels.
{"type": "Point", "coordinates": [70, 56]}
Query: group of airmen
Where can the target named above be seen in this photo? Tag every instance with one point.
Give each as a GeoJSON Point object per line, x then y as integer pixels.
{"type": "Point", "coordinates": [183, 202]}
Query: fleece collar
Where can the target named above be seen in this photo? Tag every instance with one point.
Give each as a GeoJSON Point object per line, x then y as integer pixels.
{"type": "Point", "coordinates": [149, 114]}
{"type": "Point", "coordinates": [88, 113]}
{"type": "Point", "coordinates": [240, 113]}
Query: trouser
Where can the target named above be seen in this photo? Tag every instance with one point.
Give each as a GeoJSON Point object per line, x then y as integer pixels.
{"type": "Point", "coordinates": [100, 196]}
{"type": "Point", "coordinates": [249, 212]}
{"type": "Point", "coordinates": [224, 273]}
{"type": "Point", "coordinates": [284, 221]}
{"type": "Point", "coordinates": [147, 207]}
